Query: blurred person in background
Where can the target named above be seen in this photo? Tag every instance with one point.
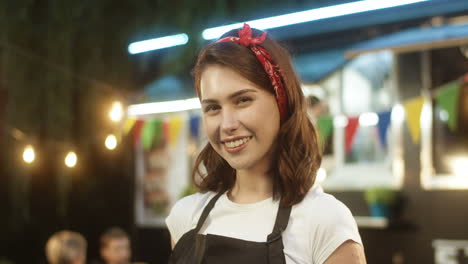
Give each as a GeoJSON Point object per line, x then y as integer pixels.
{"type": "Point", "coordinates": [258, 201]}
{"type": "Point", "coordinates": [66, 247]}
{"type": "Point", "coordinates": [115, 246]}
{"type": "Point", "coordinates": [316, 108]}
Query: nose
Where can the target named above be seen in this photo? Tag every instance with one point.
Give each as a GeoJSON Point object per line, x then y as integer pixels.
{"type": "Point", "coordinates": [229, 122]}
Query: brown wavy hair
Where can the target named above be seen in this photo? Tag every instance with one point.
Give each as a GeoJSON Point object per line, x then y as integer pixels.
{"type": "Point", "coordinates": [297, 154]}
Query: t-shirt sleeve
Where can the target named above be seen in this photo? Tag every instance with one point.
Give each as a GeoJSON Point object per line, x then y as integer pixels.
{"type": "Point", "coordinates": [180, 218]}
{"type": "Point", "coordinates": [334, 225]}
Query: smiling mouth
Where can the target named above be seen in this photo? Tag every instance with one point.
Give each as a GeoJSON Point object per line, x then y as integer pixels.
{"type": "Point", "coordinates": [236, 143]}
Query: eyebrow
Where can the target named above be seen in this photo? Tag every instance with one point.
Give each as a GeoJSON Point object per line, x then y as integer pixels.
{"type": "Point", "coordinates": [233, 95]}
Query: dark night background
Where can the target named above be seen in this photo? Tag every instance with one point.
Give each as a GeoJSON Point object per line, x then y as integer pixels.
{"type": "Point", "coordinates": [62, 63]}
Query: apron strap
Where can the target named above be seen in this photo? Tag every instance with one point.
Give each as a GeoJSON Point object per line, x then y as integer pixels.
{"type": "Point", "coordinates": [274, 240]}
{"type": "Point", "coordinates": [206, 211]}
{"type": "Point", "coordinates": [200, 240]}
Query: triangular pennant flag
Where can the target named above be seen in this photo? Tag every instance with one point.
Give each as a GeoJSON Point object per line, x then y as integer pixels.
{"type": "Point", "coordinates": [447, 99]}
{"type": "Point", "coordinates": [147, 134]}
{"type": "Point", "coordinates": [325, 127]}
{"type": "Point", "coordinates": [175, 124]}
{"type": "Point", "coordinates": [128, 125]}
{"type": "Point", "coordinates": [151, 132]}
{"type": "Point", "coordinates": [158, 132]}
{"type": "Point", "coordinates": [382, 126]}
{"type": "Point", "coordinates": [413, 109]}
{"type": "Point", "coordinates": [194, 125]}
{"type": "Point", "coordinates": [350, 131]}
{"type": "Point", "coordinates": [165, 129]}
{"type": "Point", "coordinates": [137, 131]}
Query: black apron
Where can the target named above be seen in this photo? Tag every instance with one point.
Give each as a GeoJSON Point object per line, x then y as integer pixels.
{"type": "Point", "coordinates": [193, 248]}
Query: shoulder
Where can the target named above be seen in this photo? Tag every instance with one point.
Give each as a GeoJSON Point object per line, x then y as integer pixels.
{"type": "Point", "coordinates": [185, 213]}
{"type": "Point", "coordinates": [193, 201]}
{"type": "Point", "coordinates": [329, 222]}
{"type": "Point", "coordinates": [324, 213]}
{"type": "Point", "coordinates": [321, 206]}
{"type": "Point", "coordinates": [189, 205]}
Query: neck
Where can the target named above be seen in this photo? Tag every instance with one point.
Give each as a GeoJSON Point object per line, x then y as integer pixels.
{"type": "Point", "coordinates": [251, 186]}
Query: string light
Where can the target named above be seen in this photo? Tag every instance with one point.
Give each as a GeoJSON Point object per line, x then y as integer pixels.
{"type": "Point", "coordinates": [116, 112]}
{"type": "Point", "coordinates": [71, 159]}
{"type": "Point", "coordinates": [28, 154]}
{"type": "Point", "coordinates": [111, 142]}
{"type": "Point", "coordinates": [368, 119]}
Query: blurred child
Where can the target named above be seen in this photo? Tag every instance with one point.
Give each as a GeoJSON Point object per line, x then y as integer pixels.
{"type": "Point", "coordinates": [66, 247]}
{"type": "Point", "coordinates": [115, 246]}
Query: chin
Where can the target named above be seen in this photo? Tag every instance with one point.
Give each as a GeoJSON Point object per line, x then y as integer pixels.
{"type": "Point", "coordinates": [243, 164]}
{"type": "Point", "coordinates": [238, 165]}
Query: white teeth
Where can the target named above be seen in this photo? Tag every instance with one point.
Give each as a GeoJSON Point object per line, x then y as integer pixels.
{"type": "Point", "coordinates": [236, 143]}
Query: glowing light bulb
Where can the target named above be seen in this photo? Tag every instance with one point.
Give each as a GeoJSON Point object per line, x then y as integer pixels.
{"type": "Point", "coordinates": [443, 115]}
{"type": "Point", "coordinates": [398, 113]}
{"type": "Point", "coordinates": [368, 119]}
{"type": "Point", "coordinates": [116, 112]}
{"type": "Point", "coordinates": [28, 154]}
{"type": "Point", "coordinates": [340, 121]}
{"type": "Point", "coordinates": [71, 159]}
{"type": "Point", "coordinates": [111, 142]}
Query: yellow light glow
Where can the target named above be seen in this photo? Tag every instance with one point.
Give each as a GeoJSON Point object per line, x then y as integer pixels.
{"type": "Point", "coordinates": [459, 165]}
{"type": "Point", "coordinates": [321, 175]}
{"type": "Point", "coordinates": [111, 142]}
{"type": "Point", "coordinates": [116, 112]}
{"type": "Point", "coordinates": [28, 154]}
{"type": "Point", "coordinates": [71, 159]}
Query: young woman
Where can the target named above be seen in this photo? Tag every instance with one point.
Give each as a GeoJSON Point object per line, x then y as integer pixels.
{"type": "Point", "coordinates": [258, 202]}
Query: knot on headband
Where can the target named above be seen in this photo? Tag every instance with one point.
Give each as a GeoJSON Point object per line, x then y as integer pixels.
{"type": "Point", "coordinates": [271, 68]}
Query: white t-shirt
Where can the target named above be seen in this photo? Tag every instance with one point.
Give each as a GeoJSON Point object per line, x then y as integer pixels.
{"type": "Point", "coordinates": [317, 226]}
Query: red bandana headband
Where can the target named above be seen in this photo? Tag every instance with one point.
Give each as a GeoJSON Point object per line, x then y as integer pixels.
{"type": "Point", "coordinates": [270, 67]}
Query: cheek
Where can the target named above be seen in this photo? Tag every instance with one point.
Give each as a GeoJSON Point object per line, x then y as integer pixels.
{"type": "Point", "coordinates": [210, 127]}
{"type": "Point", "coordinates": [264, 115]}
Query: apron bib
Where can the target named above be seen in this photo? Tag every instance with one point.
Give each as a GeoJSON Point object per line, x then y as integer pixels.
{"type": "Point", "coordinates": [194, 248]}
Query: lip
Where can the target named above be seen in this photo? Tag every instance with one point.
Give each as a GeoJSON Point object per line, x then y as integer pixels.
{"type": "Point", "coordinates": [236, 149]}
{"type": "Point", "coordinates": [233, 138]}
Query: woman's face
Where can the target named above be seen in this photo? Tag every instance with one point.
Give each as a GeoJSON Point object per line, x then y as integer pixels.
{"type": "Point", "coordinates": [241, 119]}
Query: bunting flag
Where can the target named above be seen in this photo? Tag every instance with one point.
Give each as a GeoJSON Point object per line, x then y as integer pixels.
{"type": "Point", "coordinates": [128, 125]}
{"type": "Point", "coordinates": [175, 124]}
{"type": "Point", "coordinates": [413, 109]}
{"type": "Point", "coordinates": [194, 125]}
{"type": "Point", "coordinates": [447, 99]}
{"type": "Point", "coordinates": [382, 126]}
{"type": "Point", "coordinates": [325, 127]}
{"type": "Point", "coordinates": [137, 131]}
{"type": "Point", "coordinates": [165, 129]}
{"type": "Point", "coordinates": [151, 133]}
{"type": "Point", "coordinates": [350, 131]}
{"type": "Point", "coordinates": [158, 132]}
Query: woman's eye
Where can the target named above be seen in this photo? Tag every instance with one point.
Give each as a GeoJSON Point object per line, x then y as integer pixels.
{"type": "Point", "coordinates": [211, 108]}
{"type": "Point", "coordinates": [243, 100]}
